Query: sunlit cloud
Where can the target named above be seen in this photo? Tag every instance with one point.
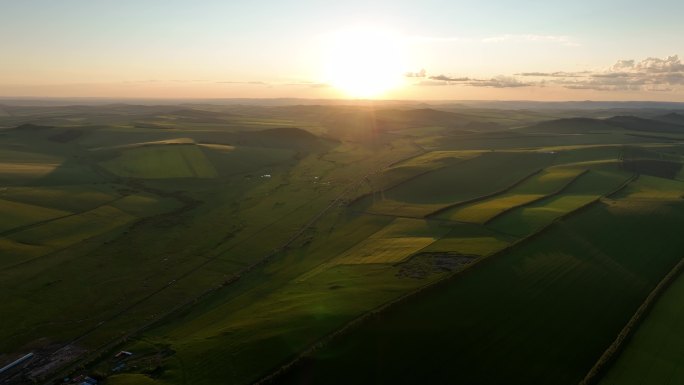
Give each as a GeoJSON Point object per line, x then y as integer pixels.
{"type": "Point", "coordinates": [650, 74]}
{"type": "Point", "coordinates": [449, 78]}
{"type": "Point", "coordinates": [500, 82]}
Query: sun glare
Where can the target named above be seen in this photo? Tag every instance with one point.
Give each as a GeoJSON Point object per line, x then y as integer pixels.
{"type": "Point", "coordinates": [364, 62]}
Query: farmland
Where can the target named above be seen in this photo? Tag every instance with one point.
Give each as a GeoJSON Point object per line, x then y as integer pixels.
{"type": "Point", "coordinates": [235, 243]}
{"type": "Point", "coordinates": [654, 354]}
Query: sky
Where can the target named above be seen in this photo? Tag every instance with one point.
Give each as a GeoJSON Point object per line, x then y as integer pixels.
{"type": "Point", "coordinates": [395, 49]}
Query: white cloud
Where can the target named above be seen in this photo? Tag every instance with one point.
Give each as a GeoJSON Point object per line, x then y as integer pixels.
{"type": "Point", "coordinates": [650, 74]}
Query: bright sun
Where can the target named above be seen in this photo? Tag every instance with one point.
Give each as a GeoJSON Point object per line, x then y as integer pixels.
{"type": "Point", "coordinates": [364, 62]}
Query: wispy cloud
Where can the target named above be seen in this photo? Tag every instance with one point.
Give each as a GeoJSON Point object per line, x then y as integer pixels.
{"type": "Point", "coordinates": [500, 82]}
{"type": "Point", "coordinates": [419, 74]}
{"type": "Point", "coordinates": [505, 38]}
{"type": "Point", "coordinates": [532, 38]}
{"type": "Point", "coordinates": [559, 74]}
{"type": "Point", "coordinates": [296, 83]}
{"type": "Point", "coordinates": [445, 78]}
{"type": "Point", "coordinates": [495, 82]}
{"type": "Point", "coordinates": [441, 39]}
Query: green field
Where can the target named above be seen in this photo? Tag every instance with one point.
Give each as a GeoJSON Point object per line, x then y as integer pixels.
{"type": "Point", "coordinates": [654, 354]}
{"type": "Point", "coordinates": [363, 243]}
{"type": "Point", "coordinates": [72, 198]}
{"type": "Point", "coordinates": [15, 214]}
{"type": "Point", "coordinates": [467, 239]}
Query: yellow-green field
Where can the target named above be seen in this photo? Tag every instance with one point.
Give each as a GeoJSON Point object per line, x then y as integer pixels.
{"type": "Point", "coordinates": [535, 188]}
{"type": "Point", "coordinates": [73, 198]}
{"type": "Point", "coordinates": [15, 214]}
{"type": "Point", "coordinates": [526, 219]}
{"type": "Point", "coordinates": [72, 229]}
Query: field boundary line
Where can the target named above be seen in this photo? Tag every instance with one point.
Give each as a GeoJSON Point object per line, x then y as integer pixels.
{"type": "Point", "coordinates": [553, 194]}
{"type": "Point", "coordinates": [487, 196]}
{"type": "Point", "coordinates": [399, 183]}
{"type": "Point", "coordinates": [39, 223]}
{"type": "Point", "coordinates": [59, 250]}
{"type": "Point", "coordinates": [617, 346]}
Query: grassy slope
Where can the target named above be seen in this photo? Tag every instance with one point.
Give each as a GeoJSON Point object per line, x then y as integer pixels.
{"type": "Point", "coordinates": [162, 161]}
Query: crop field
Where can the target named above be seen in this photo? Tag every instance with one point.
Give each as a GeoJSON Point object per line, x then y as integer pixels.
{"type": "Point", "coordinates": [472, 240]}
{"type": "Point", "coordinates": [419, 165]}
{"type": "Point", "coordinates": [25, 171]}
{"type": "Point", "coordinates": [466, 180]}
{"type": "Point", "coordinates": [363, 243]}
{"type": "Point", "coordinates": [73, 198]}
{"type": "Point", "coordinates": [392, 244]}
{"type": "Point", "coordinates": [654, 354]}
{"type": "Point", "coordinates": [526, 219]}
{"type": "Point", "coordinates": [538, 186]}
{"type": "Point", "coordinates": [72, 229]}
{"type": "Point", "coordinates": [648, 187]}
{"type": "Point", "coordinates": [15, 214]}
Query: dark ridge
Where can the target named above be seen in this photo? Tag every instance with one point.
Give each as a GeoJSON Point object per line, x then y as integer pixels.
{"type": "Point", "coordinates": [151, 126]}
{"type": "Point", "coordinates": [569, 125]}
{"type": "Point", "coordinates": [31, 127]}
{"type": "Point", "coordinates": [673, 118]}
{"type": "Point", "coordinates": [654, 167]}
{"type": "Point", "coordinates": [193, 113]}
{"type": "Point", "coordinates": [422, 116]}
{"type": "Point", "coordinates": [641, 124]}
{"type": "Point", "coordinates": [283, 137]}
{"type": "Point", "coordinates": [482, 126]}
{"type": "Point", "coordinates": [287, 133]}
{"type": "Point", "coordinates": [66, 136]}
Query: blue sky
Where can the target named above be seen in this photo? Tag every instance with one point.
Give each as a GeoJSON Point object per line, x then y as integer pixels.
{"type": "Point", "coordinates": [107, 45]}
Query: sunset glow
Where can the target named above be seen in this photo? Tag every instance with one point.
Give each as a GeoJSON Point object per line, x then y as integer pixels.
{"type": "Point", "coordinates": [364, 62]}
